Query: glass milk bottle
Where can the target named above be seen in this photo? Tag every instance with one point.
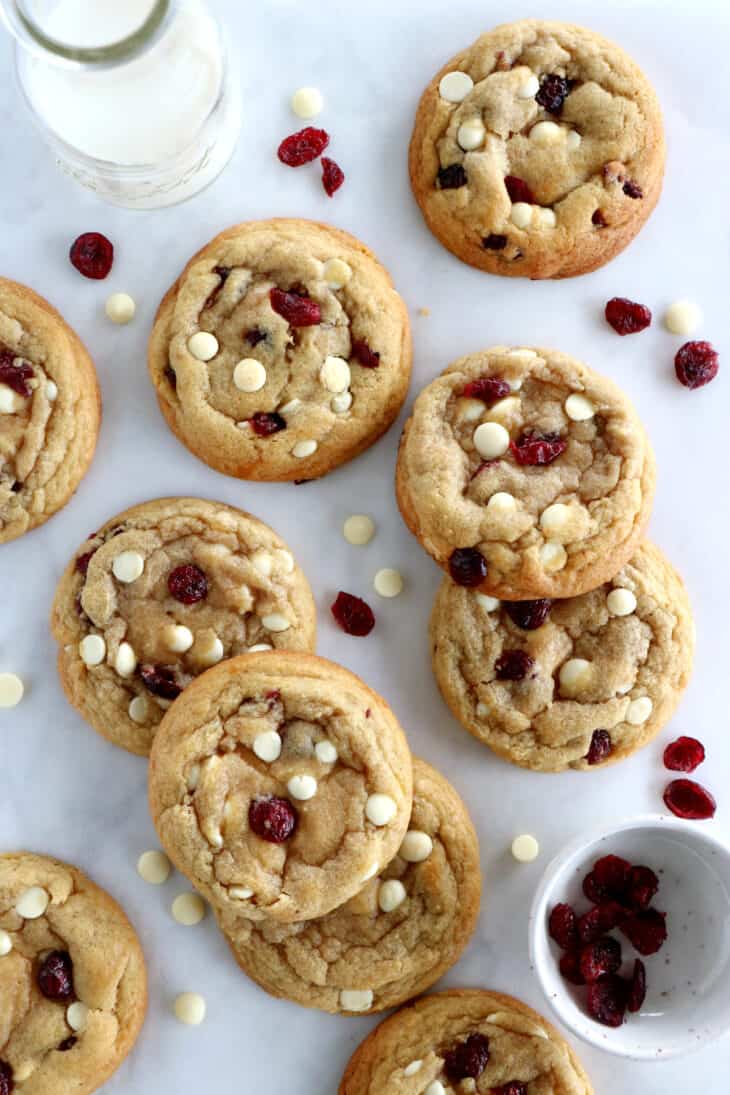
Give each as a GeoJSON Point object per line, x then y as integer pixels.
{"type": "Point", "coordinates": [135, 97]}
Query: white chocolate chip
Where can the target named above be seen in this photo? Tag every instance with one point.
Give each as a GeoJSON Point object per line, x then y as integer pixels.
{"type": "Point", "coordinates": [6, 943]}
{"type": "Point", "coordinates": [523, 354]}
{"type": "Point", "coordinates": [489, 604]}
{"type": "Point", "coordinates": [380, 809]}
{"type": "Point", "coordinates": [303, 449]}
{"type": "Point", "coordinates": [291, 407]}
{"type": "Point", "coordinates": [682, 317]}
{"type": "Point", "coordinates": [491, 440]}
{"type": "Point", "coordinates": [388, 582]}
{"type": "Point", "coordinates": [370, 873]}
{"type": "Point", "coordinates": [10, 401]}
{"type": "Point", "coordinates": [208, 650]}
{"type": "Point", "coordinates": [575, 676]}
{"type": "Point", "coordinates": [193, 777]}
{"type": "Point", "coordinates": [341, 403]}
{"type": "Point", "coordinates": [32, 903]}
{"type": "Point", "coordinates": [554, 519]}
{"type": "Point", "coordinates": [92, 649]}
{"type": "Point", "coordinates": [188, 909]}
{"type": "Point", "coordinates": [23, 1071]}
{"type": "Point", "coordinates": [267, 746]}
{"type": "Point", "coordinates": [307, 102]}
{"type": "Point", "coordinates": [505, 408]}
{"type": "Point", "coordinates": [189, 1008]}
{"type": "Point", "coordinates": [275, 621]}
{"type": "Point", "coordinates": [240, 893]}
{"type": "Point", "coordinates": [249, 375]}
{"type": "Point", "coordinates": [154, 867]}
{"type": "Point", "coordinates": [358, 529]}
{"type": "Point", "coordinates": [621, 602]}
{"type": "Point", "coordinates": [336, 273]}
{"type": "Point", "coordinates": [546, 217]}
{"type": "Point", "coordinates": [178, 638]}
{"type": "Point", "coordinates": [286, 559]}
{"type": "Point", "coordinates": [258, 648]}
{"type": "Point", "coordinates": [203, 345]}
{"type": "Point", "coordinates": [578, 408]}
{"type": "Point", "coordinates": [120, 308]}
{"type": "Point", "coordinates": [125, 662]}
{"type": "Point", "coordinates": [325, 752]}
{"type": "Point", "coordinates": [525, 848]}
{"type": "Point", "coordinates": [471, 134]}
{"type": "Point", "coordinates": [544, 133]}
{"type": "Point", "coordinates": [553, 556]}
{"type": "Point", "coordinates": [470, 410]}
{"type": "Point", "coordinates": [502, 502]}
{"type": "Point", "coordinates": [263, 562]}
{"type": "Point", "coordinates": [356, 999]}
{"type": "Point", "coordinates": [639, 710]}
{"type": "Point", "coordinates": [572, 140]}
{"type": "Point", "coordinates": [335, 375]}
{"type": "Point", "coordinates": [530, 88]}
{"type": "Point", "coordinates": [391, 894]}
{"type": "Point", "coordinates": [455, 86]}
{"type": "Point", "coordinates": [51, 391]}
{"type": "Point", "coordinates": [521, 214]}
{"type": "Point", "coordinates": [77, 1016]}
{"type": "Point", "coordinates": [11, 690]}
{"type": "Point", "coordinates": [416, 846]}
{"type": "Point", "coordinates": [138, 710]}
{"type": "Point", "coordinates": [436, 1088]}
{"type": "Point", "coordinates": [127, 566]}
{"type": "Point", "coordinates": [302, 788]}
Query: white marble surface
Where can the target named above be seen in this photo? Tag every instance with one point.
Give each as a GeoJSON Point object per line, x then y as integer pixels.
{"type": "Point", "coordinates": [66, 791]}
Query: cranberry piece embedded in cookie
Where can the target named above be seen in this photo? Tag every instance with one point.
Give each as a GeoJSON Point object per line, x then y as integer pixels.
{"type": "Point", "coordinates": [160, 681]}
{"type": "Point", "coordinates": [467, 566]}
{"type": "Point", "coordinates": [67, 1044]}
{"type": "Point", "coordinates": [607, 1000]}
{"type": "Point", "coordinates": [82, 563]}
{"type": "Point", "coordinates": [188, 584]}
{"type": "Point", "coordinates": [696, 364]}
{"type": "Point", "coordinates": [642, 886]}
{"type": "Point", "coordinates": [563, 926]}
{"type": "Point", "coordinates": [537, 449]}
{"type": "Point", "coordinates": [601, 919]}
{"type": "Point", "coordinates": [518, 190]}
{"type": "Point", "coordinates": [55, 976]}
{"type": "Point", "coordinates": [553, 93]}
{"type": "Point", "coordinates": [513, 665]}
{"type": "Point", "coordinates": [92, 254]}
{"type": "Point", "coordinates": [369, 359]}
{"type": "Point", "coordinates": [171, 376]}
{"type": "Point", "coordinates": [598, 219]}
{"type": "Point", "coordinates": [600, 748]}
{"type": "Point", "coordinates": [626, 316]}
{"type": "Point", "coordinates": [514, 1087]}
{"type": "Point", "coordinates": [529, 615]}
{"type": "Point", "coordinates": [487, 388]}
{"type": "Point", "coordinates": [632, 189]}
{"type": "Point", "coordinates": [468, 1059]}
{"type": "Point", "coordinates": [297, 309]}
{"type": "Point", "coordinates": [273, 819]}
{"type": "Point", "coordinates": [264, 423]}
{"type": "Point", "coordinates": [15, 376]}
{"type": "Point", "coordinates": [684, 755]}
{"type": "Point", "coordinates": [6, 1078]}
{"type": "Point", "coordinates": [646, 930]}
{"type": "Point", "coordinates": [254, 336]}
{"type": "Point", "coordinates": [303, 147]}
{"type": "Point", "coordinates": [689, 800]}
{"type": "Point", "coordinates": [332, 176]}
{"type": "Point", "coordinates": [354, 615]}
{"type": "Point", "coordinates": [494, 242]}
{"type": "Point", "coordinates": [452, 177]}
{"type": "Point", "coordinates": [569, 966]}
{"type": "Point", "coordinates": [599, 958]}
{"type": "Point", "coordinates": [637, 986]}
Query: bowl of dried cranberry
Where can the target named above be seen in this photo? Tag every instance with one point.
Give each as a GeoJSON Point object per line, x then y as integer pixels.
{"type": "Point", "coordinates": [630, 937]}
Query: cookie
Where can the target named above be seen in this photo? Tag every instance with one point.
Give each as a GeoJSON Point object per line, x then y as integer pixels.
{"type": "Point", "coordinates": [525, 474]}
{"type": "Point", "coordinates": [73, 986]}
{"type": "Point", "coordinates": [395, 938]}
{"type": "Point", "coordinates": [572, 683]}
{"type": "Point", "coordinates": [465, 1040]}
{"type": "Point", "coordinates": [279, 784]}
{"type": "Point", "coordinates": [538, 152]}
{"type": "Point", "coordinates": [281, 351]}
{"type": "Point", "coordinates": [50, 410]}
{"type": "Point", "coordinates": [159, 594]}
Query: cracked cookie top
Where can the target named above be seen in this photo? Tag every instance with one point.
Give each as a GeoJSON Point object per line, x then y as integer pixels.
{"type": "Point", "coordinates": [50, 410]}
{"type": "Point", "coordinates": [282, 350]}
{"type": "Point", "coordinates": [73, 987]}
{"type": "Point", "coordinates": [571, 683]}
{"type": "Point", "coordinates": [525, 474]}
{"type": "Point", "coordinates": [279, 784]}
{"type": "Point", "coordinates": [159, 594]}
{"type": "Point", "coordinates": [464, 1040]}
{"type": "Point", "coordinates": [538, 151]}
{"type": "Point", "coordinates": [392, 940]}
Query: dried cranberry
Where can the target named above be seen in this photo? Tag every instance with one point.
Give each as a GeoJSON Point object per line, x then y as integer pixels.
{"type": "Point", "coordinates": [223, 273]}
{"type": "Point", "coordinates": [369, 359]}
{"type": "Point", "coordinates": [626, 316]}
{"type": "Point", "coordinates": [487, 388]}
{"type": "Point", "coordinates": [15, 376]}
{"type": "Point", "coordinates": [273, 819]}
{"type": "Point", "coordinates": [642, 886]}
{"type": "Point", "coordinates": [254, 336]}
{"type": "Point", "coordinates": [689, 800]}
{"type": "Point", "coordinates": [518, 190]}
{"type": "Point", "coordinates": [684, 755]}
{"type": "Point", "coordinates": [570, 967]}
{"type": "Point", "coordinates": [599, 958]}
{"type": "Point", "coordinates": [600, 748]}
{"type": "Point", "coordinates": [6, 1078]}
{"type": "Point", "coordinates": [513, 665]}
{"type": "Point", "coordinates": [598, 219]}
{"type": "Point", "coordinates": [553, 93]}
{"type": "Point", "coordinates": [467, 566]}
{"type": "Point", "coordinates": [494, 242]}
{"type": "Point", "coordinates": [514, 1087]}
{"type": "Point", "coordinates": [646, 930]}
{"type": "Point", "coordinates": [332, 176]}
{"type": "Point", "coordinates": [67, 1043]}
{"type": "Point", "coordinates": [303, 147]}
{"type": "Point", "coordinates": [468, 1059]}
{"type": "Point", "coordinates": [82, 562]}
{"type": "Point", "coordinates": [599, 920]}
{"type": "Point", "coordinates": [354, 616]}
{"type": "Point", "coordinates": [92, 254]}
{"type": "Point", "coordinates": [188, 584]}
{"type": "Point", "coordinates": [607, 999]}
{"type": "Point", "coordinates": [610, 875]}
{"type": "Point", "coordinates": [632, 189]}
{"type": "Point", "coordinates": [296, 309]}
{"type": "Point", "coordinates": [160, 681]}
{"type": "Point", "coordinates": [264, 423]}
{"type": "Point", "coordinates": [637, 986]}
{"type": "Point", "coordinates": [529, 615]}
{"type": "Point", "coordinates": [563, 926]}
{"type": "Point", "coordinates": [171, 376]}
{"type": "Point", "coordinates": [55, 976]}
{"type": "Point", "coordinates": [452, 177]}
{"type": "Point", "coordinates": [696, 364]}
{"type": "Point", "coordinates": [533, 448]}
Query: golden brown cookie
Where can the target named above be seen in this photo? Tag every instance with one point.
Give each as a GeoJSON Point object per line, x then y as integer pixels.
{"type": "Point", "coordinates": [279, 784]}
{"type": "Point", "coordinates": [464, 1040]}
{"type": "Point", "coordinates": [395, 938]}
{"type": "Point", "coordinates": [281, 351]}
{"type": "Point", "coordinates": [571, 683]}
{"type": "Point", "coordinates": [73, 986]}
{"type": "Point", "coordinates": [50, 410]}
{"type": "Point", "coordinates": [525, 474]}
{"type": "Point", "coordinates": [160, 593]}
{"type": "Point", "coordinates": [538, 151]}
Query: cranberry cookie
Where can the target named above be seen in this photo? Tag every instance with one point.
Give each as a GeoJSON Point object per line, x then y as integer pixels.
{"type": "Point", "coordinates": [159, 594]}
{"type": "Point", "coordinates": [465, 1040]}
{"type": "Point", "coordinates": [281, 351]}
{"type": "Point", "coordinates": [525, 474]}
{"type": "Point", "coordinates": [73, 986]}
{"type": "Point", "coordinates": [395, 938]}
{"type": "Point", "coordinates": [279, 784]}
{"type": "Point", "coordinates": [538, 152]}
{"type": "Point", "coordinates": [50, 410]}
{"type": "Point", "coordinates": [573, 683]}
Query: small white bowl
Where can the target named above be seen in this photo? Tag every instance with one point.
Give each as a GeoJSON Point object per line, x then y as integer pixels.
{"type": "Point", "coordinates": [688, 981]}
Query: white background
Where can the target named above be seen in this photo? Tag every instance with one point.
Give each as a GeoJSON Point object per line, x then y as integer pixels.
{"type": "Point", "coordinates": [67, 792]}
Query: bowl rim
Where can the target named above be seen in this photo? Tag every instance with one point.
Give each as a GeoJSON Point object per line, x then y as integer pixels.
{"type": "Point", "coordinates": [536, 922]}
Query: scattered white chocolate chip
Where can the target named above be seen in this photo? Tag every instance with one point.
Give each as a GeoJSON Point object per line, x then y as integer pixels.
{"type": "Point", "coordinates": [356, 999]}
{"type": "Point", "coordinates": [203, 345]}
{"type": "Point", "coordinates": [523, 354]}
{"type": "Point", "coordinates": [188, 909]}
{"type": "Point", "coordinates": [189, 1008]}
{"type": "Point", "coordinates": [240, 893]}
{"type": "Point", "coordinates": [10, 401]}
{"type": "Point", "coordinates": [257, 648]}
{"type": "Point", "coordinates": [302, 788]}
{"type": "Point", "coordinates": [572, 140]}
{"type": "Point", "coordinates": [303, 449]}
{"type": "Point", "coordinates": [546, 133]}
{"type": "Point", "coordinates": [578, 408]}
{"type": "Point", "coordinates": [575, 676]}
{"type": "Point", "coordinates": [125, 662]}
{"type": "Point", "coordinates": [682, 317]}
{"type": "Point", "coordinates": [554, 519]}
{"type": "Point", "coordinates": [341, 403]}
{"type": "Point", "coordinates": [489, 604]}
{"type": "Point", "coordinates": [502, 502]}
{"type": "Point", "coordinates": [193, 777]}
{"type": "Point", "coordinates": [388, 582]}
{"type": "Point", "coordinates": [412, 1068]}
{"type": "Point", "coordinates": [639, 710]}
{"type": "Point", "coordinates": [286, 559]}
{"type": "Point", "coordinates": [178, 638]}
{"type": "Point", "coordinates": [553, 556]}
{"type": "Point", "coordinates": [127, 566]}
{"type": "Point", "coordinates": [521, 214]}
{"type": "Point", "coordinates": [249, 375]}
{"type": "Point", "coordinates": [471, 134]}
{"type": "Point", "coordinates": [23, 1071]}
{"type": "Point", "coordinates": [505, 408]}
{"type": "Point", "coordinates": [436, 1088]}
{"type": "Point", "coordinates": [274, 621]}
{"type": "Point", "coordinates": [621, 602]}
{"type": "Point", "coordinates": [491, 440]}
{"type": "Point", "coordinates": [267, 746]}
{"type": "Point", "coordinates": [11, 690]}
{"type": "Point", "coordinates": [307, 102]}
{"type": "Point", "coordinates": [335, 375]}
{"type": "Point", "coordinates": [470, 410]}
{"type": "Point", "coordinates": [325, 752]}
{"type": "Point", "coordinates": [263, 562]}
{"type": "Point", "coordinates": [380, 809]}
{"type": "Point", "coordinates": [336, 273]}
{"type": "Point", "coordinates": [291, 407]}
{"type": "Point", "coordinates": [370, 873]}
{"type": "Point", "coordinates": [77, 1016]}
{"type": "Point", "coordinates": [154, 867]}
{"type": "Point", "coordinates": [546, 217]}
{"type": "Point", "coordinates": [525, 848]}
{"type": "Point", "coordinates": [530, 88]}
{"type": "Point", "coordinates": [358, 529]}
{"type": "Point", "coordinates": [208, 650]}
{"type": "Point", "coordinates": [138, 710]}
{"type": "Point", "coordinates": [92, 649]}
{"type": "Point", "coordinates": [455, 86]}
{"type": "Point", "coordinates": [120, 308]}
{"type": "Point", "coordinates": [32, 903]}
{"type": "Point", "coordinates": [6, 943]}
{"type": "Point", "coordinates": [391, 894]}
{"type": "Point", "coordinates": [51, 391]}
{"type": "Point", "coordinates": [416, 846]}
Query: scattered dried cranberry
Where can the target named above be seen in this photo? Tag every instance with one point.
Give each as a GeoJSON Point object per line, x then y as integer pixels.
{"type": "Point", "coordinates": [264, 423]}
{"type": "Point", "coordinates": [273, 819]}
{"type": "Point", "coordinates": [696, 364]}
{"type": "Point", "coordinates": [600, 748]}
{"type": "Point", "coordinates": [518, 190]}
{"type": "Point", "coordinates": [296, 309]}
{"type": "Point", "coordinates": [188, 584]}
{"type": "Point", "coordinates": [598, 219]}
{"type": "Point", "coordinates": [223, 273]}
{"type": "Point", "coordinates": [563, 926]}
{"type": "Point", "coordinates": [369, 359]}
{"type": "Point", "coordinates": [689, 800]}
{"type": "Point", "coordinates": [570, 967]}
{"type": "Point", "coordinates": [646, 930]}
{"type": "Point", "coordinates": [354, 615]}
{"type": "Point", "coordinates": [599, 920]}
{"type": "Point", "coordinates": [532, 448]}
{"type": "Point", "coordinates": [494, 242]}
{"type": "Point", "coordinates": [626, 316]}
{"type": "Point", "coordinates": [632, 189]}
{"type": "Point", "coordinates": [468, 1059]}
{"type": "Point", "coordinates": [92, 254]}
{"type": "Point", "coordinates": [609, 878]}
{"type": "Point", "coordinates": [452, 177]}
{"type": "Point", "coordinates": [513, 665]}
{"type": "Point", "coordinates": [487, 388]}
{"type": "Point", "coordinates": [67, 1044]}
{"type": "Point", "coordinates": [467, 566]}
{"type": "Point", "coordinates": [171, 376]}
{"type": "Point", "coordinates": [599, 958]}
{"type": "Point", "coordinates": [160, 681]}
{"type": "Point", "coordinates": [303, 147]}
{"type": "Point", "coordinates": [529, 615]}
{"type": "Point", "coordinates": [15, 376]}
{"type": "Point", "coordinates": [55, 976]}
{"type": "Point", "coordinates": [607, 999]}
{"type": "Point", "coordinates": [82, 563]}
{"type": "Point", "coordinates": [514, 1087]}
{"type": "Point", "coordinates": [332, 176]}
{"type": "Point", "coordinates": [553, 93]}
{"type": "Point", "coordinates": [6, 1078]}
{"type": "Point", "coordinates": [637, 986]}
{"type": "Point", "coordinates": [684, 755]}
{"type": "Point", "coordinates": [643, 884]}
{"type": "Point", "coordinates": [254, 336]}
